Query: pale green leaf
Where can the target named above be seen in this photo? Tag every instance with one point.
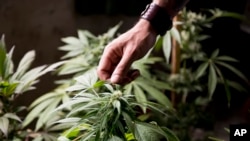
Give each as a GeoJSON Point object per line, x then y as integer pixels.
{"type": "Point", "coordinates": [48, 113]}
{"type": "Point", "coordinates": [51, 67]}
{"type": "Point", "coordinates": [35, 112]}
{"type": "Point", "coordinates": [61, 127]}
{"type": "Point", "coordinates": [62, 138]}
{"type": "Point", "coordinates": [140, 97]}
{"type": "Point", "coordinates": [156, 94]}
{"type": "Point", "coordinates": [84, 107]}
{"type": "Point", "coordinates": [74, 102]}
{"type": "Point", "coordinates": [167, 46]}
{"type": "Point", "coordinates": [45, 97]}
{"type": "Point", "coordinates": [175, 34]}
{"type": "Point", "coordinates": [83, 38]}
{"type": "Point", "coordinates": [68, 120]}
{"type": "Point", "coordinates": [72, 41]}
{"type": "Point", "coordinates": [28, 79]}
{"type": "Point", "coordinates": [76, 87]}
{"type": "Point", "coordinates": [88, 79]}
{"type": "Point", "coordinates": [115, 138]}
{"type": "Point", "coordinates": [24, 65]}
{"type": "Point", "coordinates": [4, 125]}
{"type": "Point", "coordinates": [117, 105]}
{"type": "Point", "coordinates": [9, 65]}
{"type": "Point", "coordinates": [12, 116]}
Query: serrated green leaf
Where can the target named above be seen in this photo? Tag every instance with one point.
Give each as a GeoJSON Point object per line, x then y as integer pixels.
{"type": "Point", "coordinates": [4, 125]}
{"type": "Point", "coordinates": [233, 69]}
{"type": "Point", "coordinates": [12, 116]}
{"type": "Point", "coordinates": [145, 133]}
{"type": "Point", "coordinates": [72, 41]}
{"type": "Point", "coordinates": [158, 44]}
{"type": "Point", "coordinates": [215, 53]}
{"type": "Point", "coordinates": [156, 94]}
{"type": "Point", "coordinates": [24, 65]}
{"type": "Point", "coordinates": [128, 121]}
{"type": "Point", "coordinates": [167, 46]}
{"type": "Point", "coordinates": [115, 138]}
{"type": "Point", "coordinates": [151, 132]}
{"type": "Point", "coordinates": [236, 86]}
{"type": "Point", "coordinates": [175, 34]}
{"type": "Point", "coordinates": [44, 97]}
{"type": "Point", "coordinates": [9, 65]}
{"type": "Point", "coordinates": [117, 105]}
{"type": "Point", "coordinates": [83, 107]}
{"type": "Point", "coordinates": [140, 97]}
{"type": "Point", "coordinates": [74, 102]}
{"type": "Point", "coordinates": [201, 70]}
{"type": "Point", "coordinates": [170, 134]}
{"type": "Point", "coordinates": [34, 113]}
{"type": "Point", "coordinates": [212, 81]}
{"type": "Point", "coordinates": [83, 38]}
{"type": "Point", "coordinates": [70, 119]}
{"type": "Point", "coordinates": [226, 58]}
{"type": "Point", "coordinates": [48, 113]}
{"type": "Point", "coordinates": [60, 127]}
{"type": "Point", "coordinates": [88, 79]}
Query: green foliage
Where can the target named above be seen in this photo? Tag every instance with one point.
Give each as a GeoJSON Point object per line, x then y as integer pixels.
{"type": "Point", "coordinates": [196, 65]}
{"type": "Point", "coordinates": [106, 115]}
{"type": "Point", "coordinates": [200, 73]}
{"type": "Point", "coordinates": [82, 55]}
{"type": "Point", "coordinates": [89, 109]}
{"type": "Point", "coordinates": [14, 82]}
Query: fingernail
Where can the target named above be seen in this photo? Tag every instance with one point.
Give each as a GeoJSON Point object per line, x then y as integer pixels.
{"type": "Point", "coordinates": [115, 79]}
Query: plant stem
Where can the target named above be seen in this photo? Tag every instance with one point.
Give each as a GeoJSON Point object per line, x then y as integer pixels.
{"type": "Point", "coordinates": [175, 60]}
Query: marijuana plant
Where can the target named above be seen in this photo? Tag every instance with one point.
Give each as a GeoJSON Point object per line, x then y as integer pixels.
{"type": "Point", "coordinates": [195, 64]}
{"type": "Point", "coordinates": [107, 115]}
{"type": "Point", "coordinates": [83, 54]}
{"type": "Point", "coordinates": [13, 83]}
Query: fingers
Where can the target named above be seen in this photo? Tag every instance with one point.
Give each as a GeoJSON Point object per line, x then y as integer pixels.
{"type": "Point", "coordinates": [115, 64]}
{"type": "Point", "coordinates": [120, 74]}
{"type": "Point", "coordinates": [107, 64]}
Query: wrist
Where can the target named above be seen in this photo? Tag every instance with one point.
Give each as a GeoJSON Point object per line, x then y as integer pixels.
{"type": "Point", "coordinates": [158, 18]}
{"type": "Point", "coordinates": [145, 25]}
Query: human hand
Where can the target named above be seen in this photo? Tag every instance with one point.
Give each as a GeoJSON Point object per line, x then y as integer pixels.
{"type": "Point", "coordinates": [118, 56]}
